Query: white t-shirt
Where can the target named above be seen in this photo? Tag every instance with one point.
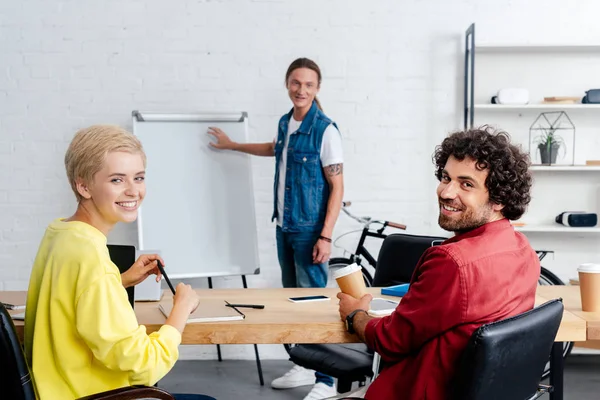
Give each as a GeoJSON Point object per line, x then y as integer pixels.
{"type": "Point", "coordinates": [331, 153]}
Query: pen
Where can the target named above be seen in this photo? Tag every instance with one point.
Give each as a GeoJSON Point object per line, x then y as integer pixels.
{"type": "Point", "coordinates": [162, 271]}
{"type": "Point", "coordinates": [256, 306]}
{"type": "Point", "coordinates": [233, 306]}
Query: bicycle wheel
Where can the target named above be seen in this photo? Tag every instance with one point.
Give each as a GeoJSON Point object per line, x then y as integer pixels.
{"type": "Point", "coordinates": [548, 278]}
{"type": "Point", "coordinates": [341, 262]}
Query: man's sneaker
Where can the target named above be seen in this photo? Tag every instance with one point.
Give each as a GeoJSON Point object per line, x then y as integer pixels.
{"type": "Point", "coordinates": [321, 391]}
{"type": "Point", "coordinates": [295, 377]}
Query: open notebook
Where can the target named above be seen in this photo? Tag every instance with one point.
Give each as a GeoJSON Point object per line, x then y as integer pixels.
{"type": "Point", "coordinates": [207, 311]}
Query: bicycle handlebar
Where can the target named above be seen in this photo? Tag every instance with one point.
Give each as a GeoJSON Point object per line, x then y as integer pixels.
{"type": "Point", "coordinates": [367, 220]}
{"type": "Point", "coordinates": [395, 225]}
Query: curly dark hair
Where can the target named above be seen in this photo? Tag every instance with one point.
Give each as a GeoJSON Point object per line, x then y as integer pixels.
{"type": "Point", "coordinates": [509, 180]}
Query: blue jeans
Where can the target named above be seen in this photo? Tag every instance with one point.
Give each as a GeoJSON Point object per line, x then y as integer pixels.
{"type": "Point", "coordinates": [185, 396]}
{"type": "Point", "coordinates": [294, 250]}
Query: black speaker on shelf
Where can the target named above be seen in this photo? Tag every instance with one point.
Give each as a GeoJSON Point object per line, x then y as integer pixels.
{"type": "Point", "coordinates": [578, 219]}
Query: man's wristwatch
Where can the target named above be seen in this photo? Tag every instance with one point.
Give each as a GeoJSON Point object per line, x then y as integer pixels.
{"type": "Point", "coordinates": [350, 320]}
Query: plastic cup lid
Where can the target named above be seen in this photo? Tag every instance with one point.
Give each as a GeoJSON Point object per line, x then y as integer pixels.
{"type": "Point", "coordinates": [346, 271]}
{"type": "Point", "coordinates": [589, 268]}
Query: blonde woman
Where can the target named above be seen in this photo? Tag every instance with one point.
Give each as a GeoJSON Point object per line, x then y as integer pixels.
{"type": "Point", "coordinates": [81, 335]}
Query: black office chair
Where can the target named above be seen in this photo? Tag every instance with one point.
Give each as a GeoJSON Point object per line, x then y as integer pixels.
{"type": "Point", "coordinates": [16, 383]}
{"type": "Point", "coordinates": [398, 257]}
{"type": "Point", "coordinates": [506, 359]}
{"type": "Point", "coordinates": [123, 257]}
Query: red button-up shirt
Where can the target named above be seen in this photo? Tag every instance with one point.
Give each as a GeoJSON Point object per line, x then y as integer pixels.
{"type": "Point", "coordinates": [481, 276]}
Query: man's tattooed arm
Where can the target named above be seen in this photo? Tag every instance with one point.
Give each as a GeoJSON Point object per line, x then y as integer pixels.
{"type": "Point", "coordinates": [334, 169]}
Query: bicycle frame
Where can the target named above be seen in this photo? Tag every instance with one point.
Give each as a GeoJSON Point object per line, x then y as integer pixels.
{"type": "Point", "coordinates": [361, 250]}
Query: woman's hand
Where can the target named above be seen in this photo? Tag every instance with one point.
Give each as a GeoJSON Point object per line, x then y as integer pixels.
{"type": "Point", "coordinates": [186, 297]}
{"type": "Point", "coordinates": [185, 302]}
{"type": "Point", "coordinates": [145, 266]}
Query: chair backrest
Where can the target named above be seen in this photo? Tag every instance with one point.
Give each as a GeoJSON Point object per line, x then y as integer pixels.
{"type": "Point", "coordinates": [123, 257]}
{"type": "Point", "coordinates": [399, 256]}
{"type": "Point", "coordinates": [506, 359]}
{"type": "Point", "coordinates": [15, 379]}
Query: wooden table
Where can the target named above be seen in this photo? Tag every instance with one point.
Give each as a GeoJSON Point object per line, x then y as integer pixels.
{"type": "Point", "coordinates": [316, 322]}
{"type": "Point", "coordinates": [282, 321]}
{"type": "Point", "coordinates": [572, 301]}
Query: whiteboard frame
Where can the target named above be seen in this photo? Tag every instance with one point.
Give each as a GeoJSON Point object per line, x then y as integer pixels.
{"type": "Point", "coordinates": [138, 117]}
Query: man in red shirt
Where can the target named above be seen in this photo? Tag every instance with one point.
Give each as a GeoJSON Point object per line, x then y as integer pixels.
{"type": "Point", "coordinates": [484, 273]}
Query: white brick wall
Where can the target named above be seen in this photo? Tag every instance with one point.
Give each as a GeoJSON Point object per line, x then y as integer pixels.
{"type": "Point", "coordinates": [392, 81]}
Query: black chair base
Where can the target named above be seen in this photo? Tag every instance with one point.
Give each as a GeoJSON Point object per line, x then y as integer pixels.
{"type": "Point", "coordinates": [347, 362]}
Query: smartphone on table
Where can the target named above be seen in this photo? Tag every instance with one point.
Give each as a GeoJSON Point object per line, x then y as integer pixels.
{"type": "Point", "coordinates": [304, 299]}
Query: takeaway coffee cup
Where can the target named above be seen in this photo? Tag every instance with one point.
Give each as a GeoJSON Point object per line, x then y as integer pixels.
{"type": "Point", "coordinates": [350, 281]}
{"type": "Point", "coordinates": [589, 285]}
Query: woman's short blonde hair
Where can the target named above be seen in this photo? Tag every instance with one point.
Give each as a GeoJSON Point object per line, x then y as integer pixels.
{"type": "Point", "coordinates": [89, 148]}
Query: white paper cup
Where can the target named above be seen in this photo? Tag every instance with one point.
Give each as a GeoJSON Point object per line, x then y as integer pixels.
{"type": "Point", "coordinates": [350, 281]}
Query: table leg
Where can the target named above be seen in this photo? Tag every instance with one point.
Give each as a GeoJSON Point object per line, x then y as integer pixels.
{"type": "Point", "coordinates": [557, 366]}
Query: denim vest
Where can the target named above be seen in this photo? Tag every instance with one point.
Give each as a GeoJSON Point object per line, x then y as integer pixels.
{"type": "Point", "coordinates": [306, 189]}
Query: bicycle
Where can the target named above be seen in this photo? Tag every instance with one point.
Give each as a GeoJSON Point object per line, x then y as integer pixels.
{"type": "Point", "coordinates": [361, 251]}
{"type": "Point", "coordinates": [546, 276]}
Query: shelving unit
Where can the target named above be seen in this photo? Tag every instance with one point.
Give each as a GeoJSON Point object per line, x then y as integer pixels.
{"type": "Point", "coordinates": [545, 69]}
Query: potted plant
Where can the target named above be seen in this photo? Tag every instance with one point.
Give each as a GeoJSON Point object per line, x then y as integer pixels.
{"type": "Point", "coordinates": [549, 143]}
{"type": "Point", "coordinates": [549, 137]}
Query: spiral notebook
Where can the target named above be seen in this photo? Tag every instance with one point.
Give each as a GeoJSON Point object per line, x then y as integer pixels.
{"type": "Point", "coordinates": [207, 311]}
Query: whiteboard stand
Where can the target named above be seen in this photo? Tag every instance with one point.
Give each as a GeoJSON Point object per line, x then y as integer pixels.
{"type": "Point", "coordinates": [200, 199]}
{"type": "Point", "coordinates": [258, 365]}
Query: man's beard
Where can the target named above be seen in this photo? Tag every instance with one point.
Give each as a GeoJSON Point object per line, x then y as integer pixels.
{"type": "Point", "coordinates": [469, 220]}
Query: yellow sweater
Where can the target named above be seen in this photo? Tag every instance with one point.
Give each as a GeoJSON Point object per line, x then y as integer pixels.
{"type": "Point", "coordinates": [81, 335]}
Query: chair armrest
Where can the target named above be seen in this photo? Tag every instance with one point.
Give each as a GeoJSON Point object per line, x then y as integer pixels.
{"type": "Point", "coordinates": [131, 393]}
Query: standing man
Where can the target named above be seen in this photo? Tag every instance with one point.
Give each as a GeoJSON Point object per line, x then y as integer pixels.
{"type": "Point", "coordinates": [308, 192]}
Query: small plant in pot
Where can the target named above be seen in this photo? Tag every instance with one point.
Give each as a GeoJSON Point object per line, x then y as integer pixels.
{"type": "Point", "coordinates": [549, 144]}
{"type": "Point", "coordinates": [549, 137]}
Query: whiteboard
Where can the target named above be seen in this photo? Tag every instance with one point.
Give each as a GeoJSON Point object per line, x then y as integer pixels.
{"type": "Point", "coordinates": [199, 205]}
